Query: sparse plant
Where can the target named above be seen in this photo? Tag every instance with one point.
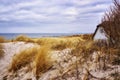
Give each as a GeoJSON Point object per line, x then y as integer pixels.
{"type": "Point", "coordinates": [1, 51]}
{"type": "Point", "coordinates": [116, 58]}
{"type": "Point", "coordinates": [115, 75]}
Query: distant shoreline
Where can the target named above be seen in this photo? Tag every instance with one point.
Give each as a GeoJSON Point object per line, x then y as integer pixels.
{"type": "Point", "coordinates": [9, 36]}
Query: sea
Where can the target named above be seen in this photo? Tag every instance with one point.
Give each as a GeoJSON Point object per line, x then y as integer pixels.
{"type": "Point", "coordinates": [35, 35]}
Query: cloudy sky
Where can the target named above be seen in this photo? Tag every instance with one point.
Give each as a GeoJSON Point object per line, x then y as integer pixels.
{"type": "Point", "coordinates": [51, 16]}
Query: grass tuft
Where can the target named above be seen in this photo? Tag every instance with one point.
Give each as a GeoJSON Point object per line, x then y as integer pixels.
{"type": "Point", "coordinates": [23, 38]}
{"type": "Point", "coordinates": [40, 56]}
{"type": "Point", "coordinates": [1, 51]}
{"type": "Point", "coordinates": [2, 39]}
{"type": "Point", "coordinates": [23, 58]}
{"type": "Point", "coordinates": [42, 60]}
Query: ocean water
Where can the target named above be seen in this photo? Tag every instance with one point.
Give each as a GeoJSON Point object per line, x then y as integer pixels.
{"type": "Point", "coordinates": [35, 35]}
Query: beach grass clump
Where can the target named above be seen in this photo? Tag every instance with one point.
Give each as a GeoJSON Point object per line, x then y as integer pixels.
{"type": "Point", "coordinates": [23, 38]}
{"type": "Point", "coordinates": [23, 58]}
{"type": "Point", "coordinates": [2, 39]}
{"type": "Point", "coordinates": [43, 60]}
{"type": "Point", "coordinates": [1, 51]}
{"type": "Point", "coordinates": [40, 57]}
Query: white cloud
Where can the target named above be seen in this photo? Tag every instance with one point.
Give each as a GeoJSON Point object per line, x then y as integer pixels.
{"type": "Point", "coordinates": [55, 12]}
{"type": "Point", "coordinates": [72, 11]}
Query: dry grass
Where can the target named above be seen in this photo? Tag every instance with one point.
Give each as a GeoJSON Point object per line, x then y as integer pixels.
{"type": "Point", "coordinates": [23, 38]}
{"type": "Point", "coordinates": [1, 51]}
{"type": "Point", "coordinates": [84, 51]}
{"type": "Point", "coordinates": [82, 36]}
{"type": "Point", "coordinates": [115, 56]}
{"type": "Point", "coordinates": [115, 75]}
{"type": "Point", "coordinates": [55, 43]}
{"type": "Point", "coordinates": [43, 60]}
{"type": "Point", "coordinates": [105, 54]}
{"type": "Point", "coordinates": [59, 43]}
{"type": "Point", "coordinates": [2, 39]}
{"type": "Point", "coordinates": [41, 57]}
{"type": "Point", "coordinates": [23, 58]}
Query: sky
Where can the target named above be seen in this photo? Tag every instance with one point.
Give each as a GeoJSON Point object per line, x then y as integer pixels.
{"type": "Point", "coordinates": [51, 16]}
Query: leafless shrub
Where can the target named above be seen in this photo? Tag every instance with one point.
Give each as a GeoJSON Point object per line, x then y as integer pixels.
{"type": "Point", "coordinates": [111, 21]}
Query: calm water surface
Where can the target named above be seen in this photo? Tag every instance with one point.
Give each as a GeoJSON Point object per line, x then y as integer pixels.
{"type": "Point", "coordinates": [35, 35]}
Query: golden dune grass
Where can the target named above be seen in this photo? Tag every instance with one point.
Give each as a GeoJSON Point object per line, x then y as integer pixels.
{"type": "Point", "coordinates": [59, 43]}
{"type": "Point", "coordinates": [43, 60]}
{"type": "Point", "coordinates": [41, 57]}
{"type": "Point", "coordinates": [23, 58]}
{"type": "Point", "coordinates": [23, 38]}
{"type": "Point", "coordinates": [2, 39]}
{"type": "Point", "coordinates": [1, 51]}
{"type": "Point", "coordinates": [55, 43]}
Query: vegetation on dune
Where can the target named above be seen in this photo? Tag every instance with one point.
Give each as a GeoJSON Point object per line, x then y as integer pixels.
{"type": "Point", "coordinates": [105, 56]}
{"type": "Point", "coordinates": [1, 51]}
{"type": "Point", "coordinates": [82, 36]}
{"type": "Point", "coordinates": [42, 61]}
{"type": "Point", "coordinates": [22, 59]}
{"type": "Point", "coordinates": [115, 58]}
{"type": "Point", "coordinates": [59, 43]}
{"type": "Point", "coordinates": [23, 38]}
{"type": "Point", "coordinates": [39, 56]}
{"type": "Point", "coordinates": [116, 75]}
{"type": "Point", "coordinates": [84, 50]}
{"type": "Point", "coordinates": [87, 36]}
{"type": "Point", "coordinates": [111, 21]}
{"type": "Point", "coordinates": [2, 39]}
